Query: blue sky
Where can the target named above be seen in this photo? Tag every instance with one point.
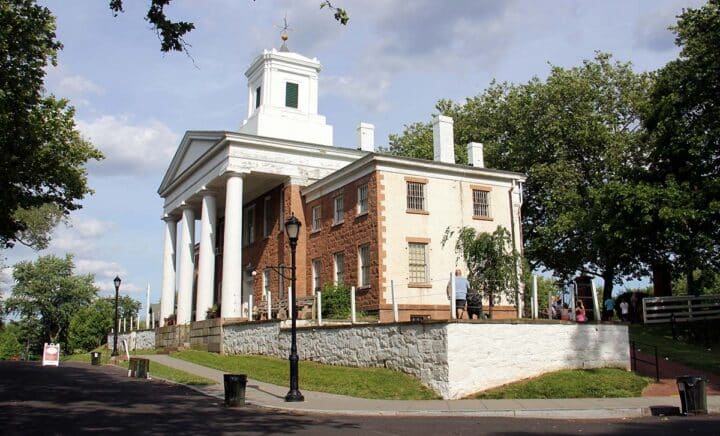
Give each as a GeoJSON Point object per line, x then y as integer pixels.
{"type": "Point", "coordinates": [388, 67]}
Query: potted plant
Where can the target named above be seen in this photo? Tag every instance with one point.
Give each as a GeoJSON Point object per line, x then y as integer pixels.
{"type": "Point", "coordinates": [171, 319]}
{"type": "Point", "coordinates": [213, 311]}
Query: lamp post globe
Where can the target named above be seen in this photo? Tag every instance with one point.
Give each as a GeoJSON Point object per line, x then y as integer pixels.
{"type": "Point", "coordinates": [292, 228]}
{"type": "Point", "coordinates": [117, 282]}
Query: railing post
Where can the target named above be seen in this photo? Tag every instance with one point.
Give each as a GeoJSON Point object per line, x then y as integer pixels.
{"type": "Point", "coordinates": [633, 365]}
{"type": "Point", "coordinates": [352, 304]}
{"type": "Point", "coordinates": [657, 365]}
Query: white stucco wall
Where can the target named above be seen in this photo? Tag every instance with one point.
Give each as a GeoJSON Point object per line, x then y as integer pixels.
{"type": "Point", "coordinates": [482, 356]}
{"type": "Point", "coordinates": [138, 340]}
{"type": "Point", "coordinates": [449, 203]}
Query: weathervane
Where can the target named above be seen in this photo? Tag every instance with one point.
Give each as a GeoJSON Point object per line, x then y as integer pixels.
{"type": "Point", "coordinates": [284, 33]}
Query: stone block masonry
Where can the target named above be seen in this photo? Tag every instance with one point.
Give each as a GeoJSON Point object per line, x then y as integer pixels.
{"type": "Point", "coordinates": [455, 359]}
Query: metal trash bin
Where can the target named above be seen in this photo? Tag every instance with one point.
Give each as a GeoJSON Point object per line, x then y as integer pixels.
{"type": "Point", "coordinates": [693, 396]}
{"type": "Point", "coordinates": [95, 358]}
{"type": "Point", "coordinates": [138, 367]}
{"type": "Point", "coordinates": [235, 389]}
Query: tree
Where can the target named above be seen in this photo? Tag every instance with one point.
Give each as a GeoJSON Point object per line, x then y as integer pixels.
{"type": "Point", "coordinates": [491, 260]}
{"type": "Point", "coordinates": [577, 136]}
{"type": "Point", "coordinates": [683, 165]}
{"type": "Point", "coordinates": [48, 291]}
{"type": "Point", "coordinates": [43, 155]}
{"type": "Point", "coordinates": [10, 341]}
{"type": "Point", "coordinates": [90, 325]}
{"type": "Point", "coordinates": [172, 33]}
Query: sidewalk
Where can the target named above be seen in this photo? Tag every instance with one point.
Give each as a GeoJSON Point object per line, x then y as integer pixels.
{"type": "Point", "coordinates": [272, 396]}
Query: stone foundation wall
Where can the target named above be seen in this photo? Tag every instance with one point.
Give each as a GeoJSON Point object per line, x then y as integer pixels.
{"type": "Point", "coordinates": [206, 335]}
{"type": "Point", "coordinates": [137, 340]}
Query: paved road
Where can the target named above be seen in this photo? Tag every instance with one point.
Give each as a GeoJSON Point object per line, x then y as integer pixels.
{"type": "Point", "coordinates": [77, 399]}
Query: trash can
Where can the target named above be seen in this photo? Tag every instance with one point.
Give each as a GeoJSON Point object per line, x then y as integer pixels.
{"type": "Point", "coordinates": [235, 389]}
{"type": "Point", "coordinates": [693, 396]}
{"type": "Point", "coordinates": [138, 367]}
{"type": "Point", "coordinates": [95, 358]}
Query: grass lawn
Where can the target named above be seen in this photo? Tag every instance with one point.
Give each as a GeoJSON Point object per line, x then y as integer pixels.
{"type": "Point", "coordinates": [375, 383]}
{"type": "Point", "coordinates": [156, 369]}
{"type": "Point", "coordinates": [693, 355]}
{"type": "Point", "coordinates": [577, 383]}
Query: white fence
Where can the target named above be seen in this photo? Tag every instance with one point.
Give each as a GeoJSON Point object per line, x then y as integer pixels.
{"type": "Point", "coordinates": [680, 309]}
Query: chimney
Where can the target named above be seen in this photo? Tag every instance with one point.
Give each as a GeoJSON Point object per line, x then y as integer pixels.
{"type": "Point", "coordinates": [443, 145]}
{"type": "Point", "coordinates": [475, 154]}
{"type": "Point", "coordinates": [366, 137]}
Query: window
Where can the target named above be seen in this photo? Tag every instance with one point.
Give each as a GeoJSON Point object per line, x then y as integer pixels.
{"type": "Point", "coordinates": [316, 218]}
{"type": "Point", "coordinates": [268, 218]}
{"type": "Point", "coordinates": [250, 226]}
{"type": "Point", "coordinates": [316, 274]}
{"type": "Point", "coordinates": [291, 94]}
{"type": "Point", "coordinates": [418, 262]}
{"type": "Point", "coordinates": [481, 203]}
{"type": "Point", "coordinates": [339, 268]}
{"type": "Point", "coordinates": [415, 196]}
{"type": "Point", "coordinates": [362, 204]}
{"type": "Point", "coordinates": [338, 209]}
{"type": "Point", "coordinates": [364, 261]}
{"type": "Point", "coordinates": [266, 284]}
{"type": "Point", "coordinates": [257, 97]}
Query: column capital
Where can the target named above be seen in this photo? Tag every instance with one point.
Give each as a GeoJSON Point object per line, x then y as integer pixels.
{"type": "Point", "coordinates": [205, 191]}
{"type": "Point", "coordinates": [236, 173]}
{"type": "Point", "coordinates": [169, 218]}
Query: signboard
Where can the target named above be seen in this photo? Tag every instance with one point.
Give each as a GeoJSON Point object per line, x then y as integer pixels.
{"type": "Point", "coordinates": [51, 354]}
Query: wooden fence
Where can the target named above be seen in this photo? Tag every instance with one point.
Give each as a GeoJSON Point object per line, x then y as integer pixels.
{"type": "Point", "coordinates": [680, 309]}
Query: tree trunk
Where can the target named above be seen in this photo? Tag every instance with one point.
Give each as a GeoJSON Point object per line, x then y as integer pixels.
{"type": "Point", "coordinates": [608, 277]}
{"type": "Point", "coordinates": [662, 280]}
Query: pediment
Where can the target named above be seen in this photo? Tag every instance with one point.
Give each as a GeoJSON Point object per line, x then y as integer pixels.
{"type": "Point", "coordinates": [193, 146]}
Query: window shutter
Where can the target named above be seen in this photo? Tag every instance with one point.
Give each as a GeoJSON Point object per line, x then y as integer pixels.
{"type": "Point", "coordinates": [257, 97]}
{"type": "Point", "coordinates": [291, 94]}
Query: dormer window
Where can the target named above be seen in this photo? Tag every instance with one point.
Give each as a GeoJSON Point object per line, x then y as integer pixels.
{"type": "Point", "coordinates": [257, 97]}
{"type": "Point", "coordinates": [291, 95]}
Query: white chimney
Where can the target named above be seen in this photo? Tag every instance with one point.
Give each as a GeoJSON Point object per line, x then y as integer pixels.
{"type": "Point", "coordinates": [366, 137]}
{"type": "Point", "coordinates": [475, 154]}
{"type": "Point", "coordinates": [443, 144]}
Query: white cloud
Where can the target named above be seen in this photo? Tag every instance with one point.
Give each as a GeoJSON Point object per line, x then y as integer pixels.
{"type": "Point", "coordinates": [368, 91]}
{"type": "Point", "coordinates": [129, 148]}
{"type": "Point", "coordinates": [79, 236]}
{"type": "Point", "coordinates": [78, 85]}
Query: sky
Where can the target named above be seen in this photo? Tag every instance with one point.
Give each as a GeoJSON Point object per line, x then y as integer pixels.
{"type": "Point", "coordinates": [389, 66]}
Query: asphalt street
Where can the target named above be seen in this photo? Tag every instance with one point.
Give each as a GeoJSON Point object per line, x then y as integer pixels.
{"type": "Point", "coordinates": [76, 398]}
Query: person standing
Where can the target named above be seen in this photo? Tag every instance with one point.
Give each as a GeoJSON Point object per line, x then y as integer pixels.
{"type": "Point", "coordinates": [624, 309]}
{"type": "Point", "coordinates": [580, 312]}
{"type": "Point", "coordinates": [461, 289]}
{"type": "Point", "coordinates": [609, 309]}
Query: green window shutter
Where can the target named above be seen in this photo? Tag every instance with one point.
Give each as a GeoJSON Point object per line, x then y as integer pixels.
{"type": "Point", "coordinates": [257, 97]}
{"type": "Point", "coordinates": [291, 94]}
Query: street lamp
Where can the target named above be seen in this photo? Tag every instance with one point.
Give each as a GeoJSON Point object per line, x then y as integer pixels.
{"type": "Point", "coordinates": [292, 228]}
{"type": "Point", "coordinates": [117, 282]}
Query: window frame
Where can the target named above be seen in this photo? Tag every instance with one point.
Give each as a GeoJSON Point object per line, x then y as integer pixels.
{"type": "Point", "coordinates": [338, 214]}
{"type": "Point", "coordinates": [419, 184]}
{"type": "Point", "coordinates": [339, 268]}
{"type": "Point", "coordinates": [316, 223]}
{"type": "Point", "coordinates": [250, 225]}
{"type": "Point", "coordinates": [316, 271]}
{"type": "Point", "coordinates": [266, 284]}
{"type": "Point", "coordinates": [364, 266]}
{"type": "Point", "coordinates": [364, 187]}
{"type": "Point", "coordinates": [413, 264]}
{"type": "Point", "coordinates": [487, 190]}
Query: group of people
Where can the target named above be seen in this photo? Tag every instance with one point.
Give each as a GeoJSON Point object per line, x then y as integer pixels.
{"type": "Point", "coordinates": [559, 310]}
{"type": "Point", "coordinates": [466, 298]}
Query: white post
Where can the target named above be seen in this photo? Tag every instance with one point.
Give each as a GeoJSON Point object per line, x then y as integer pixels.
{"type": "Point", "coordinates": [147, 307]}
{"type": "Point", "coordinates": [250, 307]}
{"type": "Point", "coordinates": [231, 299]}
{"type": "Point", "coordinates": [352, 304]}
{"type": "Point", "coordinates": [290, 302]}
{"type": "Point", "coordinates": [137, 322]}
{"type": "Point", "coordinates": [596, 306]}
{"type": "Point", "coordinates": [571, 313]}
{"type": "Point", "coordinates": [550, 303]}
{"type": "Point", "coordinates": [269, 305]}
{"type": "Point", "coordinates": [534, 298]}
{"type": "Point", "coordinates": [152, 320]}
{"type": "Point", "coordinates": [124, 325]}
{"type": "Point", "coordinates": [131, 323]}
{"type": "Point", "coordinates": [394, 302]}
{"type": "Point", "coordinates": [453, 309]}
{"type": "Point", "coordinates": [319, 307]}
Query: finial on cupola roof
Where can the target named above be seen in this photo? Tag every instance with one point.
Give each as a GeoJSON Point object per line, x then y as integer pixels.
{"type": "Point", "coordinates": [284, 34]}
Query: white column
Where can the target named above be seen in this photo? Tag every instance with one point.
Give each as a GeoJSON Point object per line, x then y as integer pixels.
{"type": "Point", "coordinates": [185, 276]}
{"type": "Point", "coordinates": [206, 268]}
{"type": "Point", "coordinates": [231, 306]}
{"type": "Point", "coordinates": [167, 296]}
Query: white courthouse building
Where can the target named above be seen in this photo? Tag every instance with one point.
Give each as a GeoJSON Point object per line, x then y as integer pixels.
{"type": "Point", "coordinates": [369, 220]}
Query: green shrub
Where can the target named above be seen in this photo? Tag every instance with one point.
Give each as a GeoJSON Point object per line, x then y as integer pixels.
{"type": "Point", "coordinates": [336, 301]}
{"type": "Point", "coordinates": [10, 346]}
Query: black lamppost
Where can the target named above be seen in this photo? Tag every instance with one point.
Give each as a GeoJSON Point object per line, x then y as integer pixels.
{"type": "Point", "coordinates": [115, 328]}
{"type": "Point", "coordinates": [292, 228]}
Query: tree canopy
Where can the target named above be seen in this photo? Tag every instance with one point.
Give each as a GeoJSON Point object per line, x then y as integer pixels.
{"type": "Point", "coordinates": [172, 33]}
{"type": "Point", "coordinates": [48, 291]}
{"type": "Point", "coordinates": [43, 155]}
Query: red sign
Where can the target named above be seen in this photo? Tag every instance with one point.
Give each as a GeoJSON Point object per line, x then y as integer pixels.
{"type": "Point", "coordinates": [51, 354]}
